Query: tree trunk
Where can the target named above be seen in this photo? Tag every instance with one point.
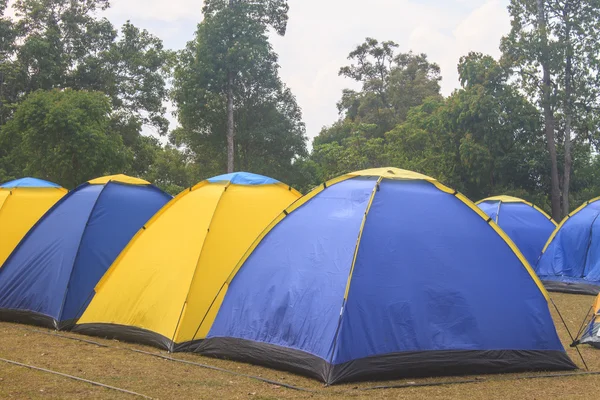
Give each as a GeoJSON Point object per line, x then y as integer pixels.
{"type": "Point", "coordinates": [568, 113]}
{"type": "Point", "coordinates": [230, 120]}
{"type": "Point", "coordinates": [568, 163]}
{"type": "Point", "coordinates": [230, 127]}
{"type": "Point", "coordinates": [548, 113]}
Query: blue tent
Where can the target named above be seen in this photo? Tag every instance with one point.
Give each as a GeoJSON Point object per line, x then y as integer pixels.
{"type": "Point", "coordinates": [28, 183]}
{"type": "Point", "coordinates": [571, 259]}
{"type": "Point", "coordinates": [50, 275]}
{"type": "Point", "coordinates": [381, 274]}
{"type": "Point", "coordinates": [525, 224]}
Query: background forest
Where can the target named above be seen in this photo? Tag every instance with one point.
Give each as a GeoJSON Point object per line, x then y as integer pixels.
{"type": "Point", "coordinates": [81, 98]}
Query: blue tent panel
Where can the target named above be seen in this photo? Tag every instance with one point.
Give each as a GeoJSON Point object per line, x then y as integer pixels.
{"type": "Point", "coordinates": [29, 183]}
{"type": "Point", "coordinates": [433, 264]}
{"type": "Point", "coordinates": [122, 205]}
{"type": "Point", "coordinates": [243, 178]}
{"type": "Point", "coordinates": [527, 227]}
{"type": "Point", "coordinates": [36, 275]}
{"type": "Point", "coordinates": [291, 289]}
{"type": "Point", "coordinates": [571, 261]}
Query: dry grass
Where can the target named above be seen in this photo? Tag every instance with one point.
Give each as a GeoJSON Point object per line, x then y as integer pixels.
{"type": "Point", "coordinates": [162, 379]}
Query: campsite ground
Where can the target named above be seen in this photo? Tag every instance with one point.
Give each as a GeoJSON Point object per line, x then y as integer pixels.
{"type": "Point", "coordinates": [117, 365]}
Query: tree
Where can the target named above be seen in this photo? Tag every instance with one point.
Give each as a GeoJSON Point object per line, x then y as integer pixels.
{"type": "Point", "coordinates": [577, 29]}
{"type": "Point", "coordinates": [481, 140]}
{"type": "Point", "coordinates": [391, 84]}
{"type": "Point", "coordinates": [553, 45]}
{"type": "Point", "coordinates": [63, 44]}
{"type": "Point", "coordinates": [227, 78]}
{"type": "Point", "coordinates": [171, 171]}
{"type": "Point", "coordinates": [64, 136]}
{"type": "Point", "coordinates": [8, 35]}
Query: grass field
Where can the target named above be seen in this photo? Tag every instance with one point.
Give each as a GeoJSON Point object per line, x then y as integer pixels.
{"type": "Point", "coordinates": [118, 366]}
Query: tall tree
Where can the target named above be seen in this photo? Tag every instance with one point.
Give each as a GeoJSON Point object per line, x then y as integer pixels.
{"type": "Point", "coordinates": [576, 26]}
{"type": "Point", "coordinates": [227, 86]}
{"type": "Point", "coordinates": [553, 45]}
{"type": "Point", "coordinates": [391, 84]}
{"type": "Point", "coordinates": [528, 49]}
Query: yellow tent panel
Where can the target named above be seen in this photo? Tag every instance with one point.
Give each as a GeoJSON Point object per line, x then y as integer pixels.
{"type": "Point", "coordinates": [22, 203]}
{"type": "Point", "coordinates": [163, 284]}
{"type": "Point", "coordinates": [118, 178]}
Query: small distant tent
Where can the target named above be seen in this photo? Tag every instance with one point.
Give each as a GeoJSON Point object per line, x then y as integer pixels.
{"type": "Point", "coordinates": [22, 203]}
{"type": "Point", "coordinates": [591, 334]}
{"type": "Point", "coordinates": [570, 261]}
{"type": "Point", "coordinates": [162, 286]}
{"type": "Point", "coordinates": [49, 277]}
{"type": "Point", "coordinates": [381, 274]}
{"type": "Point", "coordinates": [528, 226]}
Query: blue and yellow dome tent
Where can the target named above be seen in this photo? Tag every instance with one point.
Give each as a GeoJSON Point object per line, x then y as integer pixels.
{"type": "Point", "coordinates": [528, 226]}
{"type": "Point", "coordinates": [50, 275]}
{"type": "Point", "coordinates": [570, 261]}
{"type": "Point", "coordinates": [22, 204]}
{"type": "Point", "coordinates": [162, 285]}
{"type": "Point", "coordinates": [381, 274]}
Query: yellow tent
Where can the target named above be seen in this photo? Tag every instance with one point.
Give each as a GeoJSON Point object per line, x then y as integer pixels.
{"type": "Point", "coordinates": [22, 204]}
{"type": "Point", "coordinates": [160, 288]}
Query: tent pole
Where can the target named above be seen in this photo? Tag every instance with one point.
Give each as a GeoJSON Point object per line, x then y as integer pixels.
{"type": "Point", "coordinates": [570, 335]}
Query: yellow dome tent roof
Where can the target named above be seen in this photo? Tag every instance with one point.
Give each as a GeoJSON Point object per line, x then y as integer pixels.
{"type": "Point", "coordinates": [118, 178]}
{"type": "Point", "coordinates": [22, 203]}
{"type": "Point", "coordinates": [164, 282]}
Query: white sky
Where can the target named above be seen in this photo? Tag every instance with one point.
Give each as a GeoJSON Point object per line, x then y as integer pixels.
{"type": "Point", "coordinates": [321, 33]}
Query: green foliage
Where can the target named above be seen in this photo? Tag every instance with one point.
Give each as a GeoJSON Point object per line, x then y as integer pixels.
{"type": "Point", "coordinates": [391, 84]}
{"type": "Point", "coordinates": [566, 44]}
{"type": "Point", "coordinates": [232, 41]}
{"type": "Point", "coordinates": [64, 136]}
{"type": "Point", "coordinates": [63, 44]}
{"type": "Point", "coordinates": [172, 171]}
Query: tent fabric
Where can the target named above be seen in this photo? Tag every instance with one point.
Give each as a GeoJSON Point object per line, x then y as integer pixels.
{"type": "Point", "coordinates": [591, 335]}
{"type": "Point", "coordinates": [49, 277]}
{"type": "Point", "coordinates": [22, 204]}
{"type": "Point", "coordinates": [29, 183]}
{"type": "Point", "coordinates": [380, 275]}
{"type": "Point", "coordinates": [525, 224]}
{"type": "Point", "coordinates": [244, 178]}
{"type": "Point", "coordinates": [161, 288]}
{"type": "Point", "coordinates": [570, 261]}
{"type": "Point", "coordinates": [118, 178]}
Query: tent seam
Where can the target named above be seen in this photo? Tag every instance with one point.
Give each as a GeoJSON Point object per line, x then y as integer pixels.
{"type": "Point", "coordinates": [351, 272]}
{"type": "Point", "coordinates": [196, 269]}
{"type": "Point", "coordinates": [135, 237]}
{"type": "Point", "coordinates": [87, 221]}
{"type": "Point", "coordinates": [10, 194]}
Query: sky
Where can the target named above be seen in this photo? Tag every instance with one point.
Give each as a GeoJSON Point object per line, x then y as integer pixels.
{"type": "Point", "coordinates": [321, 33]}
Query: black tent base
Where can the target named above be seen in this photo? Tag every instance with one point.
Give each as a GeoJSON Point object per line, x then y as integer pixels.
{"type": "Point", "coordinates": [388, 366]}
{"type": "Point", "coordinates": [573, 288]}
{"type": "Point", "coordinates": [125, 333]}
{"type": "Point", "coordinates": [28, 318]}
